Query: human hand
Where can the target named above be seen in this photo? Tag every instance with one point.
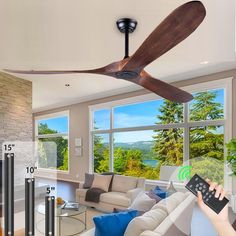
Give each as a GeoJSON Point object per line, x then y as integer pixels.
{"type": "Point", "coordinates": [220, 218]}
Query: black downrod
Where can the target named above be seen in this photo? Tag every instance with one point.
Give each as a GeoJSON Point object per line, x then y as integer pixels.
{"type": "Point", "coordinates": [126, 43]}
{"type": "Point", "coordinates": [126, 26]}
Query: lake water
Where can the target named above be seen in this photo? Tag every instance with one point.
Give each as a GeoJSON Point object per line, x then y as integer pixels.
{"type": "Point", "coordinates": [151, 163]}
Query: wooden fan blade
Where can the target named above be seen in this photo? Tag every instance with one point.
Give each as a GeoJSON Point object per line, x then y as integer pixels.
{"type": "Point", "coordinates": [175, 28]}
{"type": "Point", "coordinates": [161, 88]}
{"type": "Point", "coordinates": [106, 70]}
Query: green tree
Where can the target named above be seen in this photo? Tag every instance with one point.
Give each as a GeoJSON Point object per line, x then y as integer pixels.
{"type": "Point", "coordinates": [103, 164]}
{"type": "Point", "coordinates": [204, 107]}
{"type": "Point", "coordinates": [120, 160]}
{"type": "Point", "coordinates": [169, 142]}
{"type": "Point", "coordinates": [62, 149]}
{"type": "Point", "coordinates": [65, 160]}
{"type": "Point", "coordinates": [207, 143]}
{"type": "Point", "coordinates": [101, 154]}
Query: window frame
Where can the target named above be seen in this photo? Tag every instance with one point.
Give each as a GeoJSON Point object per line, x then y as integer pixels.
{"type": "Point", "coordinates": [225, 83]}
{"type": "Point", "coordinates": [38, 136]}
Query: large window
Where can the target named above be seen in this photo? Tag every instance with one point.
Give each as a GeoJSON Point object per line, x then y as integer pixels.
{"type": "Point", "coordinates": [137, 136]}
{"type": "Point", "coordinates": [53, 129]}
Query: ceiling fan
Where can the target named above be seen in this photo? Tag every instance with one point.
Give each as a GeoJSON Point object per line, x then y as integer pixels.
{"type": "Point", "coordinates": [173, 29]}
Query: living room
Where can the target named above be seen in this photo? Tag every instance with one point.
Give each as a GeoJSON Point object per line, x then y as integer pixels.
{"type": "Point", "coordinates": [137, 144]}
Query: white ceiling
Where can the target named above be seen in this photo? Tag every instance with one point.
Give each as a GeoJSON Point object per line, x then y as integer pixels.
{"type": "Point", "coordinates": [81, 34]}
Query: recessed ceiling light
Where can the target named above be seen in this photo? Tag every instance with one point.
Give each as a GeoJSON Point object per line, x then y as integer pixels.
{"type": "Point", "coordinates": [67, 85]}
{"type": "Point", "coordinates": [204, 62]}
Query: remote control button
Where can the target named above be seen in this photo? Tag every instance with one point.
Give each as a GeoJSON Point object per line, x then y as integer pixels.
{"type": "Point", "coordinates": [203, 191]}
{"type": "Point", "coordinates": [197, 185]}
{"type": "Point", "coordinates": [207, 193]}
{"type": "Point", "coordinates": [200, 188]}
{"type": "Point", "coordinates": [190, 185]}
{"type": "Point", "coordinates": [201, 183]}
{"type": "Point", "coordinates": [196, 179]}
{"type": "Point", "coordinates": [204, 186]}
{"type": "Point", "coordinates": [207, 199]}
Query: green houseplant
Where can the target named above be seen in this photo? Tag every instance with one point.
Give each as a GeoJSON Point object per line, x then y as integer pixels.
{"type": "Point", "coordinates": [231, 159]}
{"type": "Point", "coordinates": [231, 155]}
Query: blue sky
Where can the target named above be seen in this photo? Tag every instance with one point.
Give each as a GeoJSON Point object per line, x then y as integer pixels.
{"type": "Point", "coordinates": [141, 114]}
{"type": "Point", "coordinates": [60, 124]}
{"type": "Point", "coordinates": [136, 115]}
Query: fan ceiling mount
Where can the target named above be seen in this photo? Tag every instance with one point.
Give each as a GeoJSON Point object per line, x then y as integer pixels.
{"type": "Point", "coordinates": [175, 28]}
{"type": "Point", "coordinates": [126, 26]}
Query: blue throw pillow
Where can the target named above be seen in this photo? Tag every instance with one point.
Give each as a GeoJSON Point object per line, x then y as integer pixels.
{"type": "Point", "coordinates": [113, 224]}
{"type": "Point", "coordinates": [160, 193]}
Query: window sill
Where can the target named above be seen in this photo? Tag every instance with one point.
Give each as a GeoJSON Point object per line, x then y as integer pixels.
{"type": "Point", "coordinates": [164, 184]}
{"type": "Point", "coordinates": [42, 170]}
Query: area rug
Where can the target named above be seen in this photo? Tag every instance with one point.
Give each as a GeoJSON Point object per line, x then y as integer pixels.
{"type": "Point", "coordinates": [69, 226]}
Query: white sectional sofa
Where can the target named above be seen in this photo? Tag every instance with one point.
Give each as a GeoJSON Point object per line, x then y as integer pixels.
{"type": "Point", "coordinates": [170, 217]}
{"type": "Point", "coordinates": [124, 190]}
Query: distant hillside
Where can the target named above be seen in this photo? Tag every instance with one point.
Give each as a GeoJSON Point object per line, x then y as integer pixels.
{"type": "Point", "coordinates": [146, 147]}
{"type": "Point", "coordinates": [143, 145]}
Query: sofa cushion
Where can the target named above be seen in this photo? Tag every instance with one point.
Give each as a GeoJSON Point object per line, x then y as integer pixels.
{"type": "Point", "coordinates": [123, 183]}
{"type": "Point", "coordinates": [143, 202]}
{"type": "Point", "coordinates": [113, 224]}
{"type": "Point", "coordinates": [148, 221]}
{"type": "Point", "coordinates": [170, 203]}
{"type": "Point", "coordinates": [115, 198]}
{"type": "Point", "coordinates": [178, 196]}
{"type": "Point", "coordinates": [148, 233]}
{"type": "Point", "coordinates": [88, 181]}
{"type": "Point", "coordinates": [102, 182]}
{"type": "Point", "coordinates": [90, 232]}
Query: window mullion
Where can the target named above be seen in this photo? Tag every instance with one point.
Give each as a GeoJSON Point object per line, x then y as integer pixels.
{"type": "Point", "coordinates": [56, 135]}
{"type": "Point", "coordinates": [111, 160]}
{"type": "Point", "coordinates": [186, 135]}
{"type": "Point", "coordinates": [111, 165]}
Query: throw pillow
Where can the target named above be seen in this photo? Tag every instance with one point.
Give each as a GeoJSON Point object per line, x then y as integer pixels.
{"type": "Point", "coordinates": [148, 221]}
{"type": "Point", "coordinates": [112, 174]}
{"type": "Point", "coordinates": [113, 224]}
{"type": "Point", "coordinates": [170, 203]}
{"type": "Point", "coordinates": [123, 183]}
{"type": "Point", "coordinates": [88, 181]}
{"type": "Point", "coordinates": [152, 195]}
{"type": "Point", "coordinates": [159, 192]}
{"type": "Point", "coordinates": [102, 182]}
{"type": "Point", "coordinates": [142, 202]}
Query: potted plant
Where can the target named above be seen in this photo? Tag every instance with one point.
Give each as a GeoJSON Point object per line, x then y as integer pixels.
{"type": "Point", "coordinates": [231, 159]}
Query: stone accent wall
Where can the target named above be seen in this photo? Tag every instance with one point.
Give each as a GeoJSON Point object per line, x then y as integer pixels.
{"type": "Point", "coordinates": [15, 109]}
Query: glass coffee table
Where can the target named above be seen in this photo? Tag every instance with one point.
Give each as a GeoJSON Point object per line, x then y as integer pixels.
{"type": "Point", "coordinates": [69, 222]}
